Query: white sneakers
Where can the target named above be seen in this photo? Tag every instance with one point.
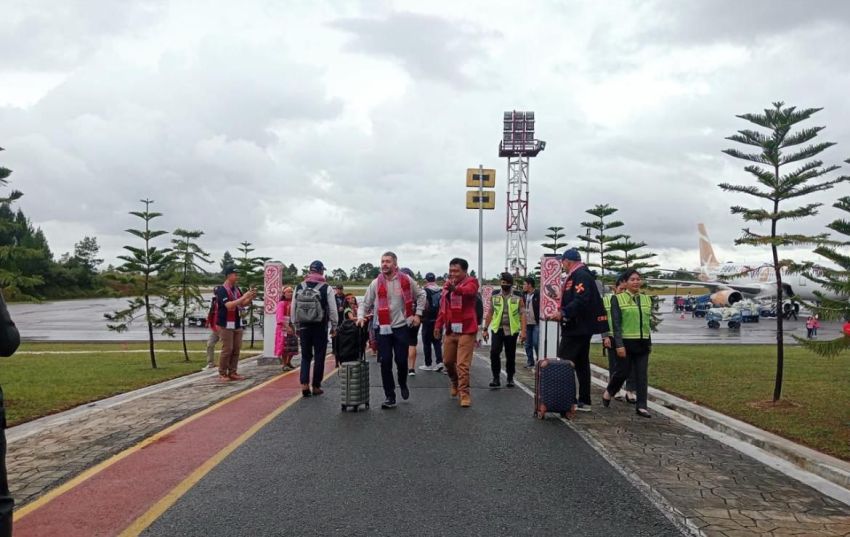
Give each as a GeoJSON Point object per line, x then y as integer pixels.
{"type": "Point", "coordinates": [208, 367]}
{"type": "Point", "coordinates": [435, 367]}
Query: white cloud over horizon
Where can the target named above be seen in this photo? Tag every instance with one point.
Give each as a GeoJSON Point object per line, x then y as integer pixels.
{"type": "Point", "coordinates": [337, 130]}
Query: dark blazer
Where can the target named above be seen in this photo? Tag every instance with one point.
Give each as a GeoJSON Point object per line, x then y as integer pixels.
{"type": "Point", "coordinates": [581, 305]}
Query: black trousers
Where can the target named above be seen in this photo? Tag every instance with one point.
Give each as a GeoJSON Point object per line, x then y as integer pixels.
{"type": "Point", "coordinates": [614, 363]}
{"type": "Point", "coordinates": [508, 342]}
{"type": "Point", "coordinates": [6, 502]}
{"type": "Point", "coordinates": [637, 362]}
{"type": "Point", "coordinates": [577, 349]}
{"type": "Point", "coordinates": [428, 342]}
{"type": "Point", "coordinates": [314, 347]}
{"type": "Point", "coordinates": [393, 348]}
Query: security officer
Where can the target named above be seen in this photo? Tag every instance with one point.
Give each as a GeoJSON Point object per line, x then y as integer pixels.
{"type": "Point", "coordinates": [582, 315]}
{"type": "Point", "coordinates": [631, 315]}
{"type": "Point", "coordinates": [506, 320]}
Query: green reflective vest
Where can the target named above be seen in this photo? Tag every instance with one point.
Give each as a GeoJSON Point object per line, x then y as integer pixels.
{"type": "Point", "coordinates": [637, 314]}
{"type": "Point", "coordinates": [513, 313]}
{"type": "Point", "coordinates": [606, 301]}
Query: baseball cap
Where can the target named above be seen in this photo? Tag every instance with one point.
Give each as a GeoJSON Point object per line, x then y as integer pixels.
{"type": "Point", "coordinates": [430, 277]}
{"type": "Point", "coordinates": [231, 270]}
{"type": "Point", "coordinates": [571, 255]}
{"type": "Point", "coordinates": [317, 266]}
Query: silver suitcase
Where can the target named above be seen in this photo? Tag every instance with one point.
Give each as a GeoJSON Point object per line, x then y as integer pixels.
{"type": "Point", "coordinates": [354, 384]}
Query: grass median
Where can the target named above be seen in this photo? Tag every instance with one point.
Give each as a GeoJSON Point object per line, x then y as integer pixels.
{"type": "Point", "coordinates": [45, 378]}
{"type": "Point", "coordinates": [737, 380]}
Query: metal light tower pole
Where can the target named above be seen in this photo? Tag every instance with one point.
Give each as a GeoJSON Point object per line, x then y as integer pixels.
{"type": "Point", "coordinates": [518, 145]}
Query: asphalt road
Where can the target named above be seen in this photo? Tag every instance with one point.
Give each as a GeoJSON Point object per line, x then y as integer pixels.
{"type": "Point", "coordinates": [82, 320]}
{"type": "Point", "coordinates": [427, 467]}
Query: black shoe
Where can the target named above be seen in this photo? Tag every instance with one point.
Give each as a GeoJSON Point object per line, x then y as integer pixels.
{"type": "Point", "coordinates": [510, 383]}
{"type": "Point", "coordinates": [643, 413]}
{"type": "Point", "coordinates": [495, 384]}
{"type": "Point", "coordinates": [306, 393]}
{"type": "Point", "coordinates": [389, 403]}
{"type": "Point", "coordinates": [405, 393]}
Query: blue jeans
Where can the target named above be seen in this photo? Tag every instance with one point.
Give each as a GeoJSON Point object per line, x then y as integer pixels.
{"type": "Point", "coordinates": [393, 347]}
{"type": "Point", "coordinates": [314, 348]}
{"type": "Point", "coordinates": [428, 341]}
{"type": "Point", "coordinates": [532, 337]}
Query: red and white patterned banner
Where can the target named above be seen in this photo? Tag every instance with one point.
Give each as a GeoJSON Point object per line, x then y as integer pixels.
{"type": "Point", "coordinates": [550, 286]}
{"type": "Point", "coordinates": [486, 295]}
{"type": "Point", "coordinates": [273, 279]}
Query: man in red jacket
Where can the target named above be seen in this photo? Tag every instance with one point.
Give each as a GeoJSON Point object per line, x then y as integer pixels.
{"type": "Point", "coordinates": [457, 315]}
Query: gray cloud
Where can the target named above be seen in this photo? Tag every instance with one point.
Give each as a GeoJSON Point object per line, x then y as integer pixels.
{"type": "Point", "coordinates": [231, 134]}
{"type": "Point", "coordinates": [427, 46]}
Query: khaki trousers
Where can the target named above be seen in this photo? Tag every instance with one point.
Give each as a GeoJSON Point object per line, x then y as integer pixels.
{"type": "Point", "coordinates": [457, 357]}
{"type": "Point", "coordinates": [231, 344]}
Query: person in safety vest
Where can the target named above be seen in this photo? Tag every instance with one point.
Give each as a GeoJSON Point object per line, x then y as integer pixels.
{"type": "Point", "coordinates": [608, 343]}
{"type": "Point", "coordinates": [506, 321]}
{"type": "Point", "coordinates": [631, 313]}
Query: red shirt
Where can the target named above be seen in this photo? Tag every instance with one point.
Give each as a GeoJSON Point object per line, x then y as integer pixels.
{"type": "Point", "coordinates": [468, 290]}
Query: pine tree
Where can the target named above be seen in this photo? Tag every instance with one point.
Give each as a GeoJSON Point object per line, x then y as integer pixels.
{"type": "Point", "coordinates": [600, 241]}
{"type": "Point", "coordinates": [554, 236]}
{"type": "Point", "coordinates": [774, 187]}
{"type": "Point", "coordinates": [150, 262]}
{"type": "Point", "coordinates": [14, 251]}
{"type": "Point", "coordinates": [836, 280]}
{"type": "Point", "coordinates": [185, 293]}
{"type": "Point", "coordinates": [227, 263]}
{"type": "Point", "coordinates": [623, 255]}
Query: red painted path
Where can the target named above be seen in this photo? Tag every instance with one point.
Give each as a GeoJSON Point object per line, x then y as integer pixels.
{"type": "Point", "coordinates": [109, 501]}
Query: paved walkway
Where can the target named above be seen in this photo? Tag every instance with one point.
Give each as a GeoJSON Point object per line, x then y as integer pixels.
{"type": "Point", "coordinates": [427, 467]}
{"type": "Point", "coordinates": [708, 485]}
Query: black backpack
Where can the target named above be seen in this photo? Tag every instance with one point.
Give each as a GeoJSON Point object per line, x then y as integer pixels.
{"type": "Point", "coordinates": [432, 303]}
{"type": "Point", "coordinates": [349, 338]}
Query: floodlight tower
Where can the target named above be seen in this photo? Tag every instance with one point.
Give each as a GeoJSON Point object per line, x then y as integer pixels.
{"type": "Point", "coordinates": [518, 145]}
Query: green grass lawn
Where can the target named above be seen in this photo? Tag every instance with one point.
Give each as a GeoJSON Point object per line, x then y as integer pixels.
{"type": "Point", "coordinates": [35, 385]}
{"type": "Point", "coordinates": [737, 380]}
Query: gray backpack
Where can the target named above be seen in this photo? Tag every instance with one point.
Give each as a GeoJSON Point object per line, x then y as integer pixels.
{"type": "Point", "coordinates": [309, 304]}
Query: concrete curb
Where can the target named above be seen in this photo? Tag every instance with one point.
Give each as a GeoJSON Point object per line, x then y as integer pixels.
{"type": "Point", "coordinates": [806, 459]}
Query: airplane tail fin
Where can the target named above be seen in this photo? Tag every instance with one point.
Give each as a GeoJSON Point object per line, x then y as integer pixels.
{"type": "Point", "coordinates": [708, 263]}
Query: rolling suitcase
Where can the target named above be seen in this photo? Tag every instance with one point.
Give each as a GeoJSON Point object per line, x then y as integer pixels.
{"type": "Point", "coordinates": [554, 388]}
{"type": "Point", "coordinates": [354, 384]}
{"type": "Point", "coordinates": [354, 380]}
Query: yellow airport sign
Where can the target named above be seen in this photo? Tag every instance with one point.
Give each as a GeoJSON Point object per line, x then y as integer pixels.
{"type": "Point", "coordinates": [486, 200]}
{"type": "Point", "coordinates": [474, 176]}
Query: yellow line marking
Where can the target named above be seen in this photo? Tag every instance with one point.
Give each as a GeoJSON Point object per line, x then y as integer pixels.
{"type": "Point", "coordinates": [62, 489]}
{"type": "Point", "coordinates": [149, 517]}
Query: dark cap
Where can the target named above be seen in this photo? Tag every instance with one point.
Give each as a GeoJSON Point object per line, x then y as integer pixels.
{"type": "Point", "coordinates": [430, 277]}
{"type": "Point", "coordinates": [507, 277]}
{"type": "Point", "coordinates": [317, 266]}
{"type": "Point", "coordinates": [571, 255]}
{"type": "Point", "coordinates": [408, 272]}
{"type": "Point", "coordinates": [231, 270]}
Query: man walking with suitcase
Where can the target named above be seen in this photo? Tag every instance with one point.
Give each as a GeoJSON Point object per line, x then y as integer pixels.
{"type": "Point", "coordinates": [398, 302]}
{"type": "Point", "coordinates": [581, 315]}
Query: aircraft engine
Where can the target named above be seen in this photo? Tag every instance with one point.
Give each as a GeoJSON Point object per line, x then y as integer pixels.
{"type": "Point", "coordinates": [726, 298]}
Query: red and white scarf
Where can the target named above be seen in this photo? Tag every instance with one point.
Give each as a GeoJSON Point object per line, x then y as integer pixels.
{"type": "Point", "coordinates": [384, 316]}
{"type": "Point", "coordinates": [456, 311]}
{"type": "Point", "coordinates": [233, 293]}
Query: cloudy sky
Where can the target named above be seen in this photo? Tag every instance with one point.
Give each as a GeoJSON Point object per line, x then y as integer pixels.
{"type": "Point", "coordinates": [336, 130]}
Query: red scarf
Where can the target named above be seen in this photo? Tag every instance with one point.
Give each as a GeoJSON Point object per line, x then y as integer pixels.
{"type": "Point", "coordinates": [233, 293]}
{"type": "Point", "coordinates": [456, 310]}
{"type": "Point", "coordinates": [384, 317]}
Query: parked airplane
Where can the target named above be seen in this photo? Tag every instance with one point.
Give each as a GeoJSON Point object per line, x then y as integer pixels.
{"type": "Point", "coordinates": [732, 282]}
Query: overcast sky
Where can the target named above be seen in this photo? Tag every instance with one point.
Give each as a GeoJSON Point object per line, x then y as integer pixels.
{"type": "Point", "coordinates": [336, 130]}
